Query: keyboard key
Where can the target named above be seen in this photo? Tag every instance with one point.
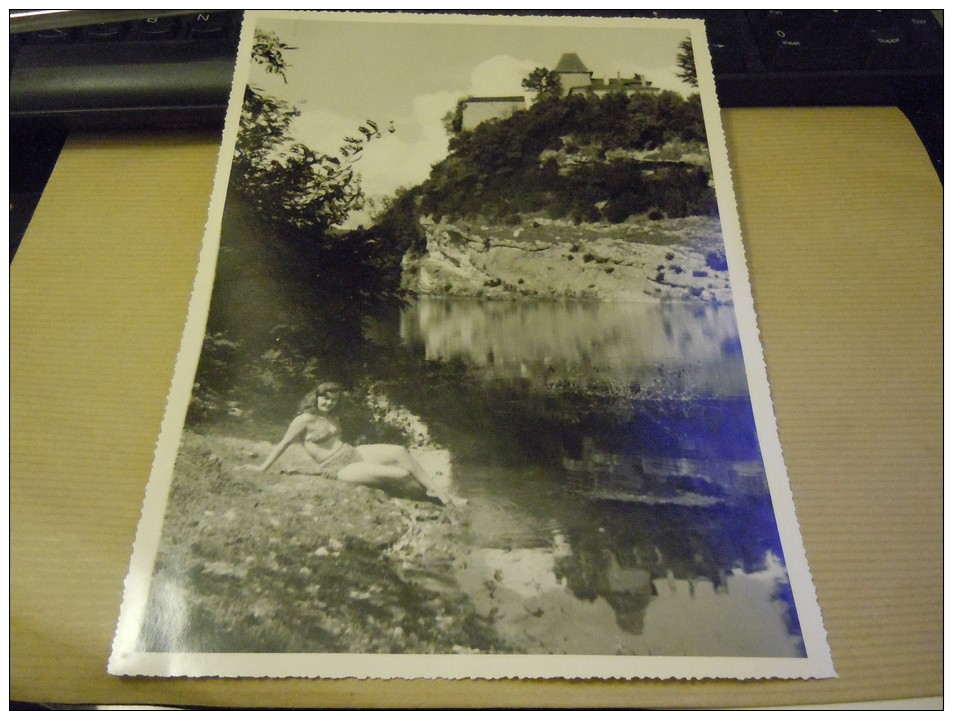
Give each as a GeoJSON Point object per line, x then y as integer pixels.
{"type": "Point", "coordinates": [157, 28]}
{"type": "Point", "coordinates": [767, 21]}
{"type": "Point", "coordinates": [54, 35]}
{"type": "Point", "coordinates": [728, 40]}
{"type": "Point", "coordinates": [800, 49]}
{"type": "Point", "coordinates": [927, 42]}
{"type": "Point", "coordinates": [831, 28]}
{"type": "Point", "coordinates": [887, 48]}
{"type": "Point", "coordinates": [105, 32]}
{"type": "Point", "coordinates": [768, 26]}
{"type": "Point", "coordinates": [808, 41]}
{"type": "Point", "coordinates": [884, 19]}
{"type": "Point", "coordinates": [209, 24]}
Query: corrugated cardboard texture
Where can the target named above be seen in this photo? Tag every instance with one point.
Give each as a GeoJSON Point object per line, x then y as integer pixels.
{"type": "Point", "coordinates": [841, 213]}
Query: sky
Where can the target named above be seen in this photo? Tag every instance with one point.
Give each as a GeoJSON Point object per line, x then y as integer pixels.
{"type": "Point", "coordinates": [408, 71]}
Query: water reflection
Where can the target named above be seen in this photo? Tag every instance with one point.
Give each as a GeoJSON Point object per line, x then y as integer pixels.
{"type": "Point", "coordinates": [586, 341]}
{"type": "Point", "coordinates": [638, 523]}
{"type": "Point", "coordinates": [559, 573]}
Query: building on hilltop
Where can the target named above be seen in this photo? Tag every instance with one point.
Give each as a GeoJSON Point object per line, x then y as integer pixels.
{"type": "Point", "coordinates": [574, 77]}
{"type": "Point", "coordinates": [634, 85]}
{"type": "Point", "coordinates": [573, 74]}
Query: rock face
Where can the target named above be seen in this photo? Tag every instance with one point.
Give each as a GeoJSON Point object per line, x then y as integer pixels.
{"type": "Point", "coordinates": [639, 260]}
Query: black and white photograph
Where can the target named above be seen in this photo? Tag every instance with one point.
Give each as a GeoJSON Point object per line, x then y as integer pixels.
{"type": "Point", "coordinates": [471, 384]}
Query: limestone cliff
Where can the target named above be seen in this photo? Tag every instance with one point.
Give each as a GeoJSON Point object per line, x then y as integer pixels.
{"type": "Point", "coordinates": [641, 259]}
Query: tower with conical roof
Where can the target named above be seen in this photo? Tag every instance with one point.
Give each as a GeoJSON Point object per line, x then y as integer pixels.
{"type": "Point", "coordinates": [572, 72]}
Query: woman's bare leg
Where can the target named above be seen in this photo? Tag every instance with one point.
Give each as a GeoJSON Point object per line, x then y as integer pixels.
{"type": "Point", "coordinates": [393, 455]}
{"type": "Point", "coordinates": [371, 473]}
{"type": "Point", "coordinates": [396, 456]}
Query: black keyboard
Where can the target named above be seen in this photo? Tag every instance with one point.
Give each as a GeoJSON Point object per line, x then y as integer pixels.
{"type": "Point", "coordinates": [176, 69]}
{"type": "Point", "coordinates": [163, 71]}
{"type": "Point", "coordinates": [85, 69]}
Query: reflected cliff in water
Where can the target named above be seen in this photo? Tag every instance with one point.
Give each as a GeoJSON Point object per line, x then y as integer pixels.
{"type": "Point", "coordinates": [587, 342]}
{"type": "Point", "coordinates": [619, 503]}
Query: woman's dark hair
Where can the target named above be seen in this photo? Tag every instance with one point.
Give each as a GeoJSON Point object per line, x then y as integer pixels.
{"type": "Point", "coordinates": [310, 401]}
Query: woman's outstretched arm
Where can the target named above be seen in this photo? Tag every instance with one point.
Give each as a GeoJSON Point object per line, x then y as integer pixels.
{"type": "Point", "coordinates": [295, 430]}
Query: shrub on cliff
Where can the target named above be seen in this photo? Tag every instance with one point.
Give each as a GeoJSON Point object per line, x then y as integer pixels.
{"type": "Point", "coordinates": [509, 166]}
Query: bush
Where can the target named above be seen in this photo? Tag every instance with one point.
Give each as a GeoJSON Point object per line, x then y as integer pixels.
{"type": "Point", "coordinates": [522, 164]}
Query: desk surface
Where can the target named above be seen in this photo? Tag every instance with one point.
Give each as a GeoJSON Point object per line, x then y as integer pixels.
{"type": "Point", "coordinates": [841, 213]}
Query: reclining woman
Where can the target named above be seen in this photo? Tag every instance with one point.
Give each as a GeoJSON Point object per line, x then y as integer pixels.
{"type": "Point", "coordinates": [319, 432]}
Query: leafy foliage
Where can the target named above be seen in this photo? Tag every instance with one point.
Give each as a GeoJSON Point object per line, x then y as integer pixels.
{"type": "Point", "coordinates": [285, 313]}
{"type": "Point", "coordinates": [585, 157]}
{"type": "Point", "coordinates": [289, 185]}
{"type": "Point", "coordinates": [290, 288]}
{"type": "Point", "coordinates": [269, 52]}
{"type": "Point", "coordinates": [686, 63]}
{"type": "Point", "coordinates": [545, 82]}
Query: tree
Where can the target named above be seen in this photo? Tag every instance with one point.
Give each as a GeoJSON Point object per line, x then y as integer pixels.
{"type": "Point", "coordinates": [269, 51]}
{"type": "Point", "coordinates": [545, 82]}
{"type": "Point", "coordinates": [453, 120]}
{"type": "Point", "coordinates": [686, 63]}
{"type": "Point", "coordinates": [288, 184]}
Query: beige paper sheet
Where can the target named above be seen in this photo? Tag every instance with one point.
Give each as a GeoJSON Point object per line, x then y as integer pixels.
{"type": "Point", "coordinates": [842, 219]}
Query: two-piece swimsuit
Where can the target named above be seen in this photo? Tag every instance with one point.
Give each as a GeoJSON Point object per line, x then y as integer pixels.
{"type": "Point", "coordinates": [338, 459]}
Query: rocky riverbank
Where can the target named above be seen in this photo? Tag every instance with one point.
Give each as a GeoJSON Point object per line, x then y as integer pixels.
{"type": "Point", "coordinates": [539, 258]}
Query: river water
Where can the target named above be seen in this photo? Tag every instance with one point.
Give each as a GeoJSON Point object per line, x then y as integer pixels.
{"type": "Point", "coordinates": [634, 516]}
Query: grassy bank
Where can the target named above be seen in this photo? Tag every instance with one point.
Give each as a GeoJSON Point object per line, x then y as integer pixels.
{"type": "Point", "coordinates": [288, 561]}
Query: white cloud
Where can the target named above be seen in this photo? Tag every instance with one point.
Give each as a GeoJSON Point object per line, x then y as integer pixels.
{"type": "Point", "coordinates": [323, 130]}
{"type": "Point", "coordinates": [666, 78]}
{"type": "Point", "coordinates": [393, 162]}
{"type": "Point", "coordinates": [401, 158]}
{"type": "Point", "coordinates": [500, 76]}
{"type": "Point", "coordinates": [404, 158]}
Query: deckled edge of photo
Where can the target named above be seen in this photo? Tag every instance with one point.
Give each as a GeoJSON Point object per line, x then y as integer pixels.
{"type": "Point", "coordinates": [126, 661]}
{"type": "Point", "coordinates": [148, 534]}
{"type": "Point", "coordinates": [810, 617]}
